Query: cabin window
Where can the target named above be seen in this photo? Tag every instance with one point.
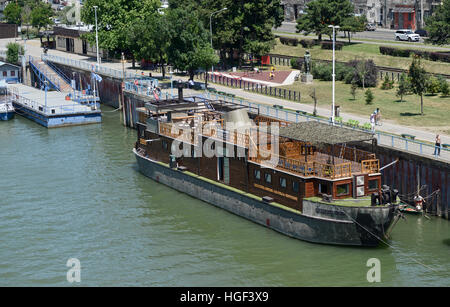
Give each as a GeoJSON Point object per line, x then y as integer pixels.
{"type": "Point", "coordinates": [295, 186]}
{"type": "Point", "coordinates": [283, 183]}
{"type": "Point", "coordinates": [323, 188]}
{"type": "Point", "coordinates": [257, 174]}
{"type": "Point", "coordinates": [268, 178]}
{"type": "Point", "coordinates": [13, 73]}
{"type": "Point", "coordinates": [343, 189]}
{"type": "Point", "coordinates": [373, 184]}
{"type": "Point", "coordinates": [5, 73]}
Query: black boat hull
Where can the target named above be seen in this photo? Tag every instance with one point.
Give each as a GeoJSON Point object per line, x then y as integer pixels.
{"type": "Point", "coordinates": [340, 226]}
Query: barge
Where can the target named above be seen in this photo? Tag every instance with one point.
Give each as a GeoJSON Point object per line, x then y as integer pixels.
{"type": "Point", "coordinates": [306, 180]}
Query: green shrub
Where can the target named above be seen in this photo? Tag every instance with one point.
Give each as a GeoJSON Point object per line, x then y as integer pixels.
{"type": "Point", "coordinates": [387, 83]}
{"type": "Point", "coordinates": [297, 63]}
{"type": "Point", "coordinates": [444, 87]}
{"type": "Point", "coordinates": [369, 96]}
{"type": "Point", "coordinates": [13, 52]}
{"type": "Point", "coordinates": [404, 86]}
{"type": "Point", "coordinates": [432, 86]}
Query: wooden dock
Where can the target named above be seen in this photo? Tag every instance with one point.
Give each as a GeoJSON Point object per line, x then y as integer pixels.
{"type": "Point", "coordinates": [53, 109]}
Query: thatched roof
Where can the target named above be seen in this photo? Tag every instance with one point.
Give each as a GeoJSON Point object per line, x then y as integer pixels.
{"type": "Point", "coordinates": [318, 133]}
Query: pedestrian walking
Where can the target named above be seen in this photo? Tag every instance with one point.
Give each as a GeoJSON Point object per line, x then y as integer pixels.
{"type": "Point", "coordinates": [378, 117]}
{"type": "Point", "coordinates": [372, 122]}
{"type": "Point", "coordinates": [437, 149]}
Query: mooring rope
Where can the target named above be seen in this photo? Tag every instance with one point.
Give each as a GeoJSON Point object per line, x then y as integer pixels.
{"type": "Point", "coordinates": [393, 247]}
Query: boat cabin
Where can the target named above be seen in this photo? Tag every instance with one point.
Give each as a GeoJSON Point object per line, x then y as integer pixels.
{"type": "Point", "coordinates": [276, 160]}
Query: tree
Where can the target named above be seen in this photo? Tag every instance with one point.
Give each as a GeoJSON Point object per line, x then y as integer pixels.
{"type": "Point", "coordinates": [115, 18]}
{"type": "Point", "coordinates": [353, 89]}
{"type": "Point", "coordinates": [245, 27]}
{"type": "Point", "coordinates": [404, 87]}
{"type": "Point", "coordinates": [369, 96]}
{"type": "Point", "coordinates": [40, 15]}
{"type": "Point", "coordinates": [152, 38]}
{"type": "Point", "coordinates": [365, 73]}
{"type": "Point", "coordinates": [26, 17]}
{"type": "Point", "coordinates": [322, 13]}
{"type": "Point", "coordinates": [205, 58]}
{"type": "Point", "coordinates": [418, 78]}
{"type": "Point", "coordinates": [12, 13]}
{"type": "Point", "coordinates": [354, 24]}
{"type": "Point", "coordinates": [189, 47]}
{"type": "Point", "coordinates": [438, 25]}
{"type": "Point", "coordinates": [13, 52]}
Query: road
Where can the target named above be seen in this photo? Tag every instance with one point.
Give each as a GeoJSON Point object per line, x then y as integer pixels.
{"type": "Point", "coordinates": [381, 35]}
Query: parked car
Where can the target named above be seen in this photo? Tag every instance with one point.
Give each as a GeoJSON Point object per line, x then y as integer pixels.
{"type": "Point", "coordinates": [406, 35]}
{"type": "Point", "coordinates": [422, 33]}
{"type": "Point", "coordinates": [371, 27]}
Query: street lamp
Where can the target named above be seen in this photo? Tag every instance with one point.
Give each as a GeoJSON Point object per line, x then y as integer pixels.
{"type": "Point", "coordinates": [96, 34]}
{"type": "Point", "coordinates": [210, 28]}
{"type": "Point", "coordinates": [334, 72]}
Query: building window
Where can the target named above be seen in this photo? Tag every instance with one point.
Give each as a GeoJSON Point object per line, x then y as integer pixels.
{"type": "Point", "coordinates": [13, 73]}
{"type": "Point", "coordinates": [409, 16]}
{"type": "Point", "coordinates": [268, 178]}
{"type": "Point", "coordinates": [343, 189]}
{"type": "Point", "coordinates": [283, 183]}
{"type": "Point", "coordinates": [5, 74]}
{"type": "Point", "coordinates": [373, 184]}
{"type": "Point", "coordinates": [295, 186]}
{"type": "Point", "coordinates": [61, 41]}
{"type": "Point", "coordinates": [257, 174]}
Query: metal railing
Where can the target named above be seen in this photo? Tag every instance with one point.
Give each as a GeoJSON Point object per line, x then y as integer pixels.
{"type": "Point", "coordinates": [41, 71]}
{"type": "Point", "coordinates": [93, 67]}
{"type": "Point", "coordinates": [383, 138]}
{"type": "Point", "coordinates": [49, 110]}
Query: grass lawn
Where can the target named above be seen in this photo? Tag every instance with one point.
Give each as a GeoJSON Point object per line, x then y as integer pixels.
{"type": "Point", "coordinates": [362, 202]}
{"type": "Point", "coordinates": [360, 51]}
{"type": "Point", "coordinates": [436, 108]}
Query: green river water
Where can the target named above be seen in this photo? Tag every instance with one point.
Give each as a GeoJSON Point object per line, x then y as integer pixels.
{"type": "Point", "coordinates": [76, 193]}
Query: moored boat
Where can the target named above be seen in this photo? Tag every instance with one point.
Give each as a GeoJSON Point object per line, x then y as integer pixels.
{"type": "Point", "coordinates": [305, 180]}
{"type": "Point", "coordinates": [6, 107]}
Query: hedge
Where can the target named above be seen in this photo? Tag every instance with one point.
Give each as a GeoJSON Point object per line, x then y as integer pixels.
{"type": "Point", "coordinates": [289, 41]}
{"type": "Point", "coordinates": [308, 43]}
{"type": "Point", "coordinates": [329, 45]}
{"type": "Point", "coordinates": [432, 56]}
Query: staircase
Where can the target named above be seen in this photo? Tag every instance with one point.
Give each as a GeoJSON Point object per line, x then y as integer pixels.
{"type": "Point", "coordinates": [45, 72]}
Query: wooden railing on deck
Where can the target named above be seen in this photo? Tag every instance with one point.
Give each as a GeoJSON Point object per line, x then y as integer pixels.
{"type": "Point", "coordinates": [307, 169]}
{"type": "Point", "coordinates": [370, 166]}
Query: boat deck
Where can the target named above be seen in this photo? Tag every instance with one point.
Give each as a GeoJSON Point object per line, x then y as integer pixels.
{"type": "Point", "coordinates": [54, 109]}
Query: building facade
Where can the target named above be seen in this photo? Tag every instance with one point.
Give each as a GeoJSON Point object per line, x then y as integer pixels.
{"type": "Point", "coordinates": [390, 14]}
{"type": "Point", "coordinates": [10, 73]}
{"type": "Point", "coordinates": [69, 39]}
